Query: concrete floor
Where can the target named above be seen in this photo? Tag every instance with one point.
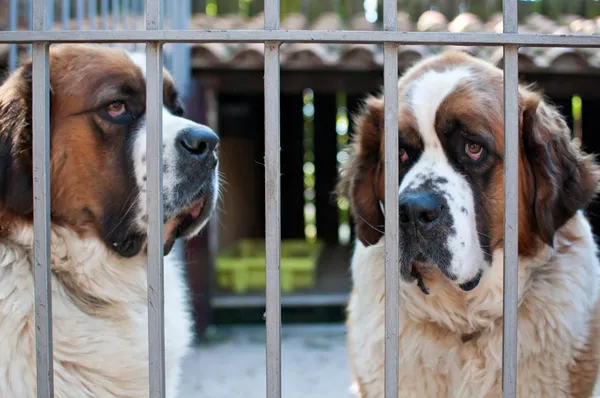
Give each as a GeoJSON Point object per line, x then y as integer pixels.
{"type": "Point", "coordinates": [314, 364]}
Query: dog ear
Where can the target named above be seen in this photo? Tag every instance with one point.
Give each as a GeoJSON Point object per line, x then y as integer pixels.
{"type": "Point", "coordinates": [360, 174]}
{"type": "Point", "coordinates": [16, 177]}
{"type": "Point", "coordinates": [565, 178]}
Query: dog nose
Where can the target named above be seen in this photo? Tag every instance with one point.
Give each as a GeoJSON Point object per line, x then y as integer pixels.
{"type": "Point", "coordinates": [420, 208]}
{"type": "Point", "coordinates": [200, 142]}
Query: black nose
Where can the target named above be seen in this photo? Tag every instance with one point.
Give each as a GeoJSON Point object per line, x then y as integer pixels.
{"type": "Point", "coordinates": [198, 141]}
{"type": "Point", "coordinates": [420, 208]}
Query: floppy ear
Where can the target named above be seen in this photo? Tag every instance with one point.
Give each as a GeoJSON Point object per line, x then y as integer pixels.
{"type": "Point", "coordinates": [565, 178]}
{"type": "Point", "coordinates": [16, 178]}
{"type": "Point", "coordinates": [360, 175]}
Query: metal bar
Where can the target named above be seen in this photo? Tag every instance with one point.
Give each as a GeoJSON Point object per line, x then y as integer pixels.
{"type": "Point", "coordinates": [13, 54]}
{"type": "Point", "coordinates": [41, 205]}
{"type": "Point", "coordinates": [127, 21]}
{"type": "Point", "coordinates": [305, 36]}
{"type": "Point", "coordinates": [50, 15]}
{"type": "Point", "coordinates": [288, 300]}
{"type": "Point", "coordinates": [273, 202]}
{"type": "Point", "coordinates": [30, 23]}
{"type": "Point", "coordinates": [511, 203]}
{"type": "Point", "coordinates": [92, 10]}
{"type": "Point", "coordinates": [138, 11]}
{"type": "Point", "coordinates": [79, 13]}
{"type": "Point", "coordinates": [154, 106]}
{"type": "Point", "coordinates": [126, 15]}
{"type": "Point", "coordinates": [104, 13]}
{"type": "Point", "coordinates": [180, 52]}
{"type": "Point", "coordinates": [273, 219]}
{"type": "Point", "coordinates": [65, 14]}
{"type": "Point", "coordinates": [115, 15]}
{"type": "Point", "coordinates": [392, 272]}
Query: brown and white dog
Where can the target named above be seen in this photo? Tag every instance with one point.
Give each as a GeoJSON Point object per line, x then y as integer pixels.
{"type": "Point", "coordinates": [451, 241]}
{"type": "Point", "coordinates": [99, 220]}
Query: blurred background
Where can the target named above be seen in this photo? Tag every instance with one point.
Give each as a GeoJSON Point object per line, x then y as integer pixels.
{"type": "Point", "coordinates": [321, 88]}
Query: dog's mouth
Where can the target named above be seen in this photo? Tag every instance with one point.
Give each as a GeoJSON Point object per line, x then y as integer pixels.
{"type": "Point", "coordinates": [419, 265]}
{"type": "Point", "coordinates": [187, 222]}
{"type": "Point", "coordinates": [472, 284]}
{"type": "Point", "coordinates": [189, 218]}
{"type": "Point", "coordinates": [415, 267]}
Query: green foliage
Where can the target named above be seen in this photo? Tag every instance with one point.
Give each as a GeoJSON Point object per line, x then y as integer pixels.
{"type": "Point", "coordinates": [346, 9]}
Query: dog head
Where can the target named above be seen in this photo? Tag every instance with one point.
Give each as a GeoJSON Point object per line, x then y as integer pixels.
{"type": "Point", "coordinates": [451, 151]}
{"type": "Point", "coordinates": [98, 151]}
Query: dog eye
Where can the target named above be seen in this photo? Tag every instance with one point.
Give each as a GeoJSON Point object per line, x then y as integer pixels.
{"type": "Point", "coordinates": [473, 150]}
{"type": "Point", "coordinates": [116, 109]}
{"type": "Point", "coordinates": [118, 112]}
{"type": "Point", "coordinates": [403, 156]}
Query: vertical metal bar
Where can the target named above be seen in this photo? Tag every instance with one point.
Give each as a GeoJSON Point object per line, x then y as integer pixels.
{"type": "Point", "coordinates": [511, 214]}
{"type": "Point", "coordinates": [30, 22]}
{"type": "Point", "coordinates": [80, 11]}
{"type": "Point", "coordinates": [92, 9]}
{"type": "Point", "coordinates": [154, 106]}
{"type": "Point", "coordinates": [180, 52]}
{"type": "Point", "coordinates": [104, 13]}
{"type": "Point", "coordinates": [138, 10]}
{"type": "Point", "coordinates": [115, 14]}
{"type": "Point", "coordinates": [392, 272]}
{"type": "Point", "coordinates": [41, 206]}
{"type": "Point", "coordinates": [272, 203]}
{"type": "Point", "coordinates": [50, 15]}
{"type": "Point", "coordinates": [65, 14]}
{"type": "Point", "coordinates": [13, 54]}
{"type": "Point", "coordinates": [126, 17]}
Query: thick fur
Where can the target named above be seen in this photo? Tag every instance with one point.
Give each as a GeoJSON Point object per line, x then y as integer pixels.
{"type": "Point", "coordinates": [451, 330]}
{"type": "Point", "coordinates": [98, 226]}
{"type": "Point", "coordinates": [100, 323]}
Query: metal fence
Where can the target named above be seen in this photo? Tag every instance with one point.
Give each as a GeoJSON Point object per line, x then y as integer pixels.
{"type": "Point", "coordinates": [154, 36]}
{"type": "Point", "coordinates": [114, 15]}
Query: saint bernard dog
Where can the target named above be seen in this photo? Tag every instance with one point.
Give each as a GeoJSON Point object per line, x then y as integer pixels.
{"type": "Point", "coordinates": [450, 199]}
{"type": "Point", "coordinates": [99, 221]}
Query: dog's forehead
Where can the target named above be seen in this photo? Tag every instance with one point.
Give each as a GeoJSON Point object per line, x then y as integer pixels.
{"type": "Point", "coordinates": [425, 96]}
{"type": "Point", "coordinates": [139, 59]}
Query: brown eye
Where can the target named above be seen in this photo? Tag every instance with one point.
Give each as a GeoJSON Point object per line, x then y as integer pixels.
{"type": "Point", "coordinates": [473, 150]}
{"type": "Point", "coordinates": [403, 156]}
{"type": "Point", "coordinates": [116, 109]}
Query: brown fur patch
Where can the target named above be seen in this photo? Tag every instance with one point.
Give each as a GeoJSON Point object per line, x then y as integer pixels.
{"type": "Point", "coordinates": [583, 372]}
{"type": "Point", "coordinates": [555, 177]}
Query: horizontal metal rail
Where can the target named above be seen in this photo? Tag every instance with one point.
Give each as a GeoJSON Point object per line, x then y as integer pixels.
{"type": "Point", "coordinates": [302, 36]}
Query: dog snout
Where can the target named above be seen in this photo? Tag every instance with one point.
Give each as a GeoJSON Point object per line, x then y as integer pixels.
{"type": "Point", "coordinates": [421, 209]}
{"type": "Point", "coordinates": [199, 142]}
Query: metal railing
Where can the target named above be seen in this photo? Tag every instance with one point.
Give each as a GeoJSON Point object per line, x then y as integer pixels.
{"type": "Point", "coordinates": [154, 37]}
{"type": "Point", "coordinates": [124, 15]}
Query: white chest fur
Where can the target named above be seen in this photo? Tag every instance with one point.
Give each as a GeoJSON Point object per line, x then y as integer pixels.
{"type": "Point", "coordinates": [100, 340]}
{"type": "Point", "coordinates": [558, 295]}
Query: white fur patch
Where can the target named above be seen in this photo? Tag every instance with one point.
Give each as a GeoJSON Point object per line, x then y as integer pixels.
{"type": "Point", "coordinates": [94, 356]}
{"type": "Point", "coordinates": [427, 94]}
{"type": "Point", "coordinates": [172, 126]}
